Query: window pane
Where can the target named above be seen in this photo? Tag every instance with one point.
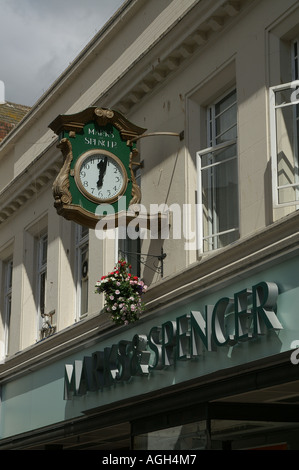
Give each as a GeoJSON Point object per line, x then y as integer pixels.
{"type": "Point", "coordinates": [42, 292]}
{"type": "Point", "coordinates": [284, 120]}
{"type": "Point", "coordinates": [44, 247]}
{"type": "Point", "coordinates": [224, 104]}
{"type": "Point", "coordinates": [9, 267]}
{"type": "Point", "coordinates": [220, 197]}
{"type": "Point", "coordinates": [218, 241]}
{"type": "Point", "coordinates": [219, 176]}
{"type": "Point", "coordinates": [83, 231]}
{"type": "Point", "coordinates": [296, 67]}
{"type": "Point", "coordinates": [287, 153]}
{"type": "Point", "coordinates": [81, 234]}
{"type": "Point", "coordinates": [42, 273]}
{"type": "Point", "coordinates": [285, 96]}
{"type": "Point", "coordinates": [7, 300]}
{"type": "Point", "coordinates": [225, 119]}
{"type": "Point", "coordinates": [84, 279]}
{"type": "Point", "coordinates": [129, 248]}
{"type": "Point", "coordinates": [130, 251]}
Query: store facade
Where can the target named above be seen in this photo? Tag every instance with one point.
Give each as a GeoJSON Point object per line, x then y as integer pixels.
{"type": "Point", "coordinates": [212, 363]}
{"type": "Point", "coordinates": [179, 378]}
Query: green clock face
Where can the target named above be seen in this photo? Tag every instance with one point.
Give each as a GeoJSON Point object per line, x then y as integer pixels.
{"type": "Point", "coordinates": [100, 176]}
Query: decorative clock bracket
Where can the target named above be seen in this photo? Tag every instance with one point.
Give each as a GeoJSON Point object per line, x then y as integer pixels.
{"type": "Point", "coordinates": [97, 131]}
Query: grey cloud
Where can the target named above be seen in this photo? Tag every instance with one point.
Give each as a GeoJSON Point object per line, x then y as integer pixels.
{"type": "Point", "coordinates": [39, 38]}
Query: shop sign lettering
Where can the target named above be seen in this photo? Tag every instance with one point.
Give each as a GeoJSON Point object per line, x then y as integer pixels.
{"type": "Point", "coordinates": [248, 314]}
{"type": "Point", "coordinates": [102, 139]}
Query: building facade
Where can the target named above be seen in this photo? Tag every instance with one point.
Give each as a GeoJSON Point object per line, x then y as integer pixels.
{"type": "Point", "coordinates": [212, 361]}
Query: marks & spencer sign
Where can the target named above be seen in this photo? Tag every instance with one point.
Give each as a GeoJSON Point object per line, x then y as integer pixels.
{"type": "Point", "coordinates": [238, 319]}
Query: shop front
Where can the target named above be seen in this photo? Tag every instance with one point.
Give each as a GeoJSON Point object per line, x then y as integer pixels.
{"type": "Point", "coordinates": [213, 370]}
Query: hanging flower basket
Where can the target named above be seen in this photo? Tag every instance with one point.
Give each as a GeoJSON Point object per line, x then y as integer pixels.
{"type": "Point", "coordinates": [122, 293]}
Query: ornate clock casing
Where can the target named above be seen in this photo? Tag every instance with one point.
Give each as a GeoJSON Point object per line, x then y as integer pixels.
{"type": "Point", "coordinates": [98, 164]}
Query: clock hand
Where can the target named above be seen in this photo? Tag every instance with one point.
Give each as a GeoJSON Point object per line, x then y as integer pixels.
{"type": "Point", "coordinates": [102, 165]}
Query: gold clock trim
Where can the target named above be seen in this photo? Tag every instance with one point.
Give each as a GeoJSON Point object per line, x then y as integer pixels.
{"type": "Point", "coordinates": [76, 122]}
{"type": "Point", "coordinates": [61, 185]}
{"type": "Point", "coordinates": [81, 188]}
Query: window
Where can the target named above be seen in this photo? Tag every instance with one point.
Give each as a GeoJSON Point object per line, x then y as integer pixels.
{"type": "Point", "coordinates": [42, 275]}
{"type": "Point", "coordinates": [284, 131]}
{"type": "Point", "coordinates": [129, 248]}
{"type": "Point", "coordinates": [82, 236]}
{"type": "Point", "coordinates": [217, 169]}
{"type": "Point", "coordinates": [8, 268]}
{"type": "Point", "coordinates": [130, 251]}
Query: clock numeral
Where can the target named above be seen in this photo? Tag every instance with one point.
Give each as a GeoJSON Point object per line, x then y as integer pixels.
{"type": "Point", "coordinates": [85, 184]}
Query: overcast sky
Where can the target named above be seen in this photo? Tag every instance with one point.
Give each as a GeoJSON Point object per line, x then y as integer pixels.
{"type": "Point", "coordinates": [40, 38]}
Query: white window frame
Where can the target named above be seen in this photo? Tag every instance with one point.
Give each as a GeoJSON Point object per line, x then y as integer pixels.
{"type": "Point", "coordinates": [82, 246]}
{"type": "Point", "coordinates": [8, 273]}
{"type": "Point", "coordinates": [294, 86]}
{"type": "Point", "coordinates": [273, 142]}
{"type": "Point", "coordinates": [213, 235]}
{"type": "Point", "coordinates": [41, 279]}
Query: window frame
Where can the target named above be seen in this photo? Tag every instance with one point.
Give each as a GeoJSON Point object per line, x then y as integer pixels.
{"type": "Point", "coordinates": [273, 130]}
{"type": "Point", "coordinates": [82, 246]}
{"type": "Point", "coordinates": [214, 148]}
{"type": "Point", "coordinates": [8, 276]}
{"type": "Point", "coordinates": [128, 249]}
{"type": "Point", "coordinates": [273, 143]}
{"type": "Point", "coordinates": [41, 292]}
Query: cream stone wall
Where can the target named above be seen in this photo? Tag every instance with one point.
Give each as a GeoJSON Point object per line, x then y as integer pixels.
{"type": "Point", "coordinates": [153, 65]}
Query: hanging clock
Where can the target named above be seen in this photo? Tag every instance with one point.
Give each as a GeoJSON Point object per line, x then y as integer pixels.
{"type": "Point", "coordinates": [100, 176]}
{"type": "Point", "coordinates": [99, 158]}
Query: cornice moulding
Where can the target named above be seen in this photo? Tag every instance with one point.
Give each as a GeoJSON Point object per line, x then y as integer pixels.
{"type": "Point", "coordinates": [171, 51]}
{"type": "Point", "coordinates": [30, 182]}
